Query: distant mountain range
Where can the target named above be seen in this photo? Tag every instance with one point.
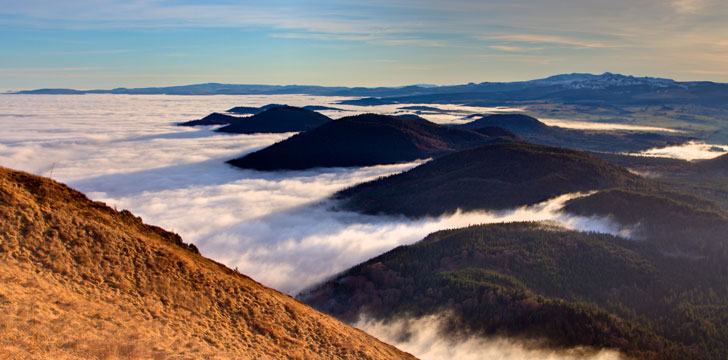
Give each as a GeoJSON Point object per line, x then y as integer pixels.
{"type": "Point", "coordinates": [558, 86]}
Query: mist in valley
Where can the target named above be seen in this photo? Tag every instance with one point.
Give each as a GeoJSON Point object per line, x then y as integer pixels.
{"type": "Point", "coordinates": [423, 337]}
{"type": "Point", "coordinates": [279, 227]}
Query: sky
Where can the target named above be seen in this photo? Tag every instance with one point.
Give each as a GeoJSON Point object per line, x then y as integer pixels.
{"type": "Point", "coordinates": [90, 44]}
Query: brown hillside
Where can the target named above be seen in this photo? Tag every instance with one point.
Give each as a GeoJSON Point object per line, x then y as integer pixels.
{"type": "Point", "coordinates": [81, 280]}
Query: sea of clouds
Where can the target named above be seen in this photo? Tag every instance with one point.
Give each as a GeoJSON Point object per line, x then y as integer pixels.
{"type": "Point", "coordinates": [277, 227]}
{"type": "Point", "coordinates": [422, 337]}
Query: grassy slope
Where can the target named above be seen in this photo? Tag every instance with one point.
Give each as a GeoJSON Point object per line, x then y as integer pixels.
{"type": "Point", "coordinates": [81, 280]}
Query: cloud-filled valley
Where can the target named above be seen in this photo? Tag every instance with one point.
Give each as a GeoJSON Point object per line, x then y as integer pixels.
{"type": "Point", "coordinates": [693, 150]}
{"type": "Point", "coordinates": [277, 227]}
{"type": "Point", "coordinates": [280, 227]}
{"type": "Point", "coordinates": [423, 336]}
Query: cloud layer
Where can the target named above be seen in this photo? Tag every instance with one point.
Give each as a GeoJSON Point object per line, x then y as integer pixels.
{"type": "Point", "coordinates": [693, 150]}
{"type": "Point", "coordinates": [277, 227]}
{"type": "Point", "coordinates": [421, 337]}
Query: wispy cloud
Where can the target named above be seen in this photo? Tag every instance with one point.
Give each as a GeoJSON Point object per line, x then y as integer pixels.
{"type": "Point", "coordinates": [687, 6]}
{"type": "Point", "coordinates": [521, 58]}
{"type": "Point", "coordinates": [706, 72]}
{"type": "Point", "coordinates": [413, 68]}
{"type": "Point", "coordinates": [652, 35]}
{"type": "Point", "coordinates": [89, 52]}
{"type": "Point", "coordinates": [321, 36]}
{"type": "Point", "coordinates": [510, 48]}
{"type": "Point", "coordinates": [406, 42]}
{"type": "Point", "coordinates": [548, 40]}
{"type": "Point", "coordinates": [35, 70]}
{"type": "Point", "coordinates": [373, 39]}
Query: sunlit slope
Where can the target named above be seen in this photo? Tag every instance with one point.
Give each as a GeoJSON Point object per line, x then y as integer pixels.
{"type": "Point", "coordinates": [81, 280]}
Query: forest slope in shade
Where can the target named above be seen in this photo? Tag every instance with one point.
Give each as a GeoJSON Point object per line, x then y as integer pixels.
{"type": "Point", "coordinates": [277, 119]}
{"type": "Point", "coordinates": [81, 280]}
{"type": "Point", "coordinates": [536, 280]}
{"type": "Point", "coordinates": [364, 140]}
{"type": "Point", "coordinates": [537, 132]}
{"type": "Point", "coordinates": [496, 176]}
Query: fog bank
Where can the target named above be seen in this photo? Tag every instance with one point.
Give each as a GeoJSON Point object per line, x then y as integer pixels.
{"type": "Point", "coordinates": [692, 150]}
{"type": "Point", "coordinates": [422, 338]}
{"type": "Point", "coordinates": [276, 227]}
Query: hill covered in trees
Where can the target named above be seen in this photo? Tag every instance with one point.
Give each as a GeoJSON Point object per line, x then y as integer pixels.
{"type": "Point", "coordinates": [535, 280]}
{"type": "Point", "coordinates": [276, 119]}
{"type": "Point", "coordinates": [682, 225]}
{"type": "Point", "coordinates": [537, 132]}
{"type": "Point", "coordinates": [519, 123]}
{"type": "Point", "coordinates": [495, 176]}
{"type": "Point", "coordinates": [79, 280]}
{"type": "Point", "coordinates": [252, 110]}
{"type": "Point", "coordinates": [364, 140]}
{"type": "Point", "coordinates": [212, 119]}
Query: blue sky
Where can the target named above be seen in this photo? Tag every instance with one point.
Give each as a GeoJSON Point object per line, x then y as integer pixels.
{"type": "Point", "coordinates": [112, 43]}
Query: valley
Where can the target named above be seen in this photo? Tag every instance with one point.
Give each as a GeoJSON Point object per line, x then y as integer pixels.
{"type": "Point", "coordinates": [397, 207]}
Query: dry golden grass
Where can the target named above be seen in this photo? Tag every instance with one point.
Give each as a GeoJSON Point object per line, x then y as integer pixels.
{"type": "Point", "coordinates": [81, 280]}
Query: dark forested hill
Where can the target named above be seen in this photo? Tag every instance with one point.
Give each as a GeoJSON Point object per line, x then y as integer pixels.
{"type": "Point", "coordinates": [681, 224]}
{"type": "Point", "coordinates": [277, 119]}
{"type": "Point", "coordinates": [493, 176]}
{"type": "Point", "coordinates": [252, 110]}
{"type": "Point", "coordinates": [536, 280]}
{"type": "Point", "coordinates": [364, 140]}
{"type": "Point", "coordinates": [212, 119]}
{"type": "Point", "coordinates": [519, 123]}
{"type": "Point", "coordinates": [537, 132]}
{"type": "Point", "coordinates": [715, 166]}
